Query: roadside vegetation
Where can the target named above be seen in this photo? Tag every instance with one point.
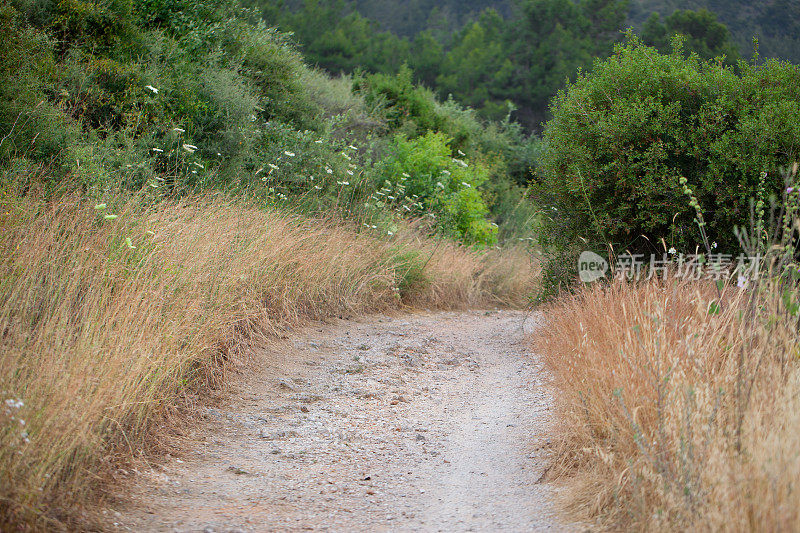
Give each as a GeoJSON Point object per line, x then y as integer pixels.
{"type": "Point", "coordinates": [676, 389]}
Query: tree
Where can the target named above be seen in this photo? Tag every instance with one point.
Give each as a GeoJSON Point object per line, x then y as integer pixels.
{"type": "Point", "coordinates": [703, 34]}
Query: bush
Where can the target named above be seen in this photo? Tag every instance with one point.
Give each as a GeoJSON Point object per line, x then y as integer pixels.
{"type": "Point", "coordinates": [623, 135]}
{"type": "Point", "coordinates": [420, 176]}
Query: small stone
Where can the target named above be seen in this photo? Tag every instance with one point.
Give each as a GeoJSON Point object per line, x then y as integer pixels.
{"type": "Point", "coordinates": [303, 409]}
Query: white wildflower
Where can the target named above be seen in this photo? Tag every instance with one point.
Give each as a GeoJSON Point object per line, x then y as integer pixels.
{"type": "Point", "coordinates": [350, 172]}
{"type": "Point", "coordinates": [179, 130]}
{"type": "Point", "coordinates": [153, 89]}
{"type": "Point", "coordinates": [352, 147]}
{"type": "Point", "coordinates": [273, 167]}
{"type": "Point", "coordinates": [328, 170]}
{"type": "Point", "coordinates": [15, 404]}
{"type": "Point", "coordinates": [672, 251]}
{"type": "Point", "coordinates": [290, 154]}
{"type": "Point", "coordinates": [462, 154]}
{"type": "Point", "coordinates": [465, 184]}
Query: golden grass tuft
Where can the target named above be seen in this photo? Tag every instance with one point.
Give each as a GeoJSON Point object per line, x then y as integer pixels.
{"type": "Point", "coordinates": [674, 415]}
{"type": "Point", "coordinates": [106, 324]}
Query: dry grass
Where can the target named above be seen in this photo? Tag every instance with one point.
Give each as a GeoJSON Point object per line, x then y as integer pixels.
{"type": "Point", "coordinates": [101, 336]}
{"type": "Point", "coordinates": [673, 417]}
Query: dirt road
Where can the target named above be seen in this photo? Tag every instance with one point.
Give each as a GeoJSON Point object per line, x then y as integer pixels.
{"type": "Point", "coordinates": [427, 422]}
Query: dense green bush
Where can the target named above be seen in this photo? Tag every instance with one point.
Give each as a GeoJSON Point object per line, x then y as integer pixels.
{"type": "Point", "coordinates": [420, 176]}
{"type": "Point", "coordinates": [172, 96]}
{"type": "Point", "coordinates": [623, 135]}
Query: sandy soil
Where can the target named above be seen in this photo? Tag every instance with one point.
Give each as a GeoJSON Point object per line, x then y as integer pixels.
{"type": "Point", "coordinates": [425, 422]}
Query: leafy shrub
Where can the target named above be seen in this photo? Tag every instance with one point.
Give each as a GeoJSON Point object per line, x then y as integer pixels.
{"type": "Point", "coordinates": [420, 176]}
{"type": "Point", "coordinates": [405, 104]}
{"type": "Point", "coordinates": [623, 135]}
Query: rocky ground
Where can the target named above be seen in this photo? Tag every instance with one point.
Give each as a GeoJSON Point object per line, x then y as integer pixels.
{"type": "Point", "coordinates": [425, 422]}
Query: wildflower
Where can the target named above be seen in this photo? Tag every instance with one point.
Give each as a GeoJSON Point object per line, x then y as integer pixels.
{"type": "Point", "coordinates": [219, 154]}
{"type": "Point", "coordinates": [15, 404]}
{"type": "Point", "coordinates": [155, 91]}
{"type": "Point", "coordinates": [100, 206]}
{"type": "Point", "coordinates": [465, 184]}
{"type": "Point", "coordinates": [190, 148]}
{"type": "Point", "coordinates": [343, 182]}
{"type": "Point", "coordinates": [713, 245]}
{"type": "Point", "coordinates": [25, 436]}
{"type": "Point", "coordinates": [346, 156]}
{"type": "Point", "coordinates": [352, 147]}
{"type": "Point", "coordinates": [390, 197]}
{"type": "Point", "coordinates": [318, 141]}
{"type": "Point", "coordinates": [390, 233]}
{"type": "Point", "coordinates": [741, 282]}
{"type": "Point", "coordinates": [462, 154]}
{"type": "Point", "coordinates": [328, 170]}
{"type": "Point", "coordinates": [406, 208]}
{"type": "Point", "coordinates": [179, 130]}
{"type": "Point", "coordinates": [350, 172]}
{"type": "Point", "coordinates": [440, 184]}
{"type": "Point", "coordinates": [157, 150]}
{"type": "Point", "coordinates": [672, 251]}
{"type": "Point", "coordinates": [290, 154]}
{"type": "Point", "coordinates": [405, 175]}
{"type": "Point", "coordinates": [273, 167]}
{"type": "Point", "coordinates": [460, 163]}
{"type": "Point", "coordinates": [446, 172]}
{"type": "Point", "coordinates": [194, 172]}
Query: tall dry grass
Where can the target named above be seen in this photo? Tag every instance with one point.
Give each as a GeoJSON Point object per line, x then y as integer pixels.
{"type": "Point", "coordinates": [674, 414]}
{"type": "Point", "coordinates": [108, 323]}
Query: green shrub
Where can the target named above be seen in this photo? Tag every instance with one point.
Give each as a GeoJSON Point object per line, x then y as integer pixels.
{"type": "Point", "coordinates": [420, 176]}
{"type": "Point", "coordinates": [623, 135]}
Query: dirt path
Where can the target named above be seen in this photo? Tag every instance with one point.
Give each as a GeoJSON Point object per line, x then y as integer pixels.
{"type": "Point", "coordinates": [428, 422]}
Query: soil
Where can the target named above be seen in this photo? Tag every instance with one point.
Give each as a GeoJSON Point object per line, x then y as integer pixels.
{"type": "Point", "coordinates": [424, 422]}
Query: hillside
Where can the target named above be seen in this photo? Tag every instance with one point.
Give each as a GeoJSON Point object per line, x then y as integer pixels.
{"type": "Point", "coordinates": [776, 23]}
